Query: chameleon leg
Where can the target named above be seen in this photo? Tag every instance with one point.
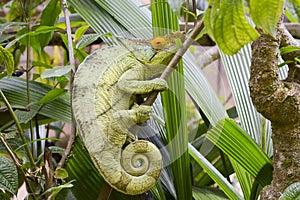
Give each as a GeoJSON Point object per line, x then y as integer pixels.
{"type": "Point", "coordinates": [132, 82]}
{"type": "Point", "coordinates": [124, 119]}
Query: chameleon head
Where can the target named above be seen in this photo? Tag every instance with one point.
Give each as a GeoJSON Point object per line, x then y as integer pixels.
{"type": "Point", "coordinates": [155, 53]}
{"type": "Point", "coordinates": [165, 47]}
{"type": "Point", "coordinates": [162, 50]}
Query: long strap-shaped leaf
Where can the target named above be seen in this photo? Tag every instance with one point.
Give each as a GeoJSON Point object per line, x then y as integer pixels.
{"type": "Point", "coordinates": [15, 91]}
{"type": "Point", "coordinates": [239, 146]}
{"type": "Point", "coordinates": [174, 107]}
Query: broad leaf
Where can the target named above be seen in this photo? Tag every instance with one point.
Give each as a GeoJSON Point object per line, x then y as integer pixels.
{"type": "Point", "coordinates": [226, 23]}
{"type": "Point", "coordinates": [26, 116]}
{"type": "Point", "coordinates": [266, 13]}
{"type": "Point", "coordinates": [55, 190]}
{"type": "Point", "coordinates": [49, 18]}
{"type": "Point", "coordinates": [56, 71]}
{"type": "Point", "coordinates": [8, 59]}
{"type": "Point", "coordinates": [8, 175]}
{"type": "Point", "coordinates": [288, 49]}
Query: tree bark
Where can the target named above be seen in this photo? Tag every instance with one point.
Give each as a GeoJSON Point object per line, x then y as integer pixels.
{"type": "Point", "coordinates": [278, 101]}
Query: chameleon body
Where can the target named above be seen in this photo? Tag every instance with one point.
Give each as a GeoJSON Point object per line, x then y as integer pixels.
{"type": "Point", "coordinates": [103, 100]}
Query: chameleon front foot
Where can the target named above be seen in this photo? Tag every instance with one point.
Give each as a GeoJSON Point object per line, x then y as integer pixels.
{"type": "Point", "coordinates": [141, 113]}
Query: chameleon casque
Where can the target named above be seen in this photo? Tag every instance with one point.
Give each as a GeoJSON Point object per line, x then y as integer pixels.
{"type": "Point", "coordinates": [105, 88]}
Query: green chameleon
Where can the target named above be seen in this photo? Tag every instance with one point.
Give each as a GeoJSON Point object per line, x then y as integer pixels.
{"type": "Point", "coordinates": [106, 85]}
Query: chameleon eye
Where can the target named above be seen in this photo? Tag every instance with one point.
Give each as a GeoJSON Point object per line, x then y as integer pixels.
{"type": "Point", "coordinates": [158, 43]}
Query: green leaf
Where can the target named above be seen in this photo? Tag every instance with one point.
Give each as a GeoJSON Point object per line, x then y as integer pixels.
{"type": "Point", "coordinates": [55, 190]}
{"type": "Point", "coordinates": [174, 104]}
{"type": "Point", "coordinates": [208, 194]}
{"type": "Point", "coordinates": [214, 174]}
{"type": "Point", "coordinates": [292, 192]}
{"type": "Point", "coordinates": [49, 18]}
{"type": "Point", "coordinates": [61, 173]}
{"type": "Point", "coordinates": [8, 59]}
{"type": "Point", "coordinates": [81, 168]}
{"type": "Point", "coordinates": [56, 149]}
{"type": "Point", "coordinates": [288, 49]}
{"type": "Point", "coordinates": [56, 71]}
{"type": "Point", "coordinates": [259, 128]}
{"type": "Point", "coordinates": [52, 95]}
{"type": "Point", "coordinates": [86, 40]}
{"type": "Point", "coordinates": [23, 33]}
{"type": "Point", "coordinates": [8, 175]}
{"type": "Point", "coordinates": [239, 146]}
{"type": "Point", "coordinates": [266, 13]}
{"type": "Point", "coordinates": [80, 31]}
{"type": "Point", "coordinates": [4, 196]}
{"type": "Point", "coordinates": [6, 25]}
{"type": "Point", "coordinates": [226, 23]}
{"type": "Point", "coordinates": [15, 91]}
{"type": "Point", "coordinates": [296, 2]}
{"type": "Point", "coordinates": [26, 116]}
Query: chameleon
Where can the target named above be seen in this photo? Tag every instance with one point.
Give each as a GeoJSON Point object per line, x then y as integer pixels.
{"type": "Point", "coordinates": [104, 103]}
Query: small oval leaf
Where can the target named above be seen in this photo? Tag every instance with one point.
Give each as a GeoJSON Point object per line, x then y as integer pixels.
{"type": "Point", "coordinates": [8, 59]}
{"type": "Point", "coordinates": [56, 71]}
{"type": "Point", "coordinates": [52, 95]}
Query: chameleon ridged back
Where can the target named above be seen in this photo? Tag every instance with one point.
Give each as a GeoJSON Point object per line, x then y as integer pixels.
{"type": "Point", "coordinates": [103, 103]}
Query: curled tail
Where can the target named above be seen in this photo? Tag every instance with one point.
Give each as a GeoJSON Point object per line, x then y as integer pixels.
{"type": "Point", "coordinates": [132, 170]}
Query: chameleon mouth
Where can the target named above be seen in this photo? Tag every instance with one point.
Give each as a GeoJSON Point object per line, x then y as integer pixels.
{"type": "Point", "coordinates": [154, 54]}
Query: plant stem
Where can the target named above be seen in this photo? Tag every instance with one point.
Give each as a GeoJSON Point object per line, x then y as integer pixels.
{"type": "Point", "coordinates": [28, 66]}
{"type": "Point", "coordinates": [21, 133]}
{"type": "Point", "coordinates": [10, 151]}
{"type": "Point", "coordinates": [72, 62]}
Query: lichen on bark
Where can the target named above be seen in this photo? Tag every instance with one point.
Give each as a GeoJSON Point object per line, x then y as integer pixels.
{"type": "Point", "coordinates": [278, 101]}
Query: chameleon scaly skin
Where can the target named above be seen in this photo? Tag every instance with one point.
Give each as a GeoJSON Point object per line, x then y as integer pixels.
{"type": "Point", "coordinates": [104, 93]}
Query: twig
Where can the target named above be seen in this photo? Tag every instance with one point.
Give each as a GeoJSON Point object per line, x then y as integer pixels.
{"type": "Point", "coordinates": [195, 12]}
{"type": "Point", "coordinates": [15, 159]}
{"type": "Point", "coordinates": [72, 62]}
{"type": "Point", "coordinates": [173, 64]}
{"type": "Point", "coordinates": [186, 15]}
{"type": "Point", "coordinates": [21, 133]}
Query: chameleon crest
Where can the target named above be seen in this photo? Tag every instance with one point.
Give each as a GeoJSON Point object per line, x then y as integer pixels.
{"type": "Point", "coordinates": [104, 105]}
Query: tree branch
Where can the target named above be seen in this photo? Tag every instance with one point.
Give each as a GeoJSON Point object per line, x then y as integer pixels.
{"type": "Point", "coordinates": [278, 101]}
